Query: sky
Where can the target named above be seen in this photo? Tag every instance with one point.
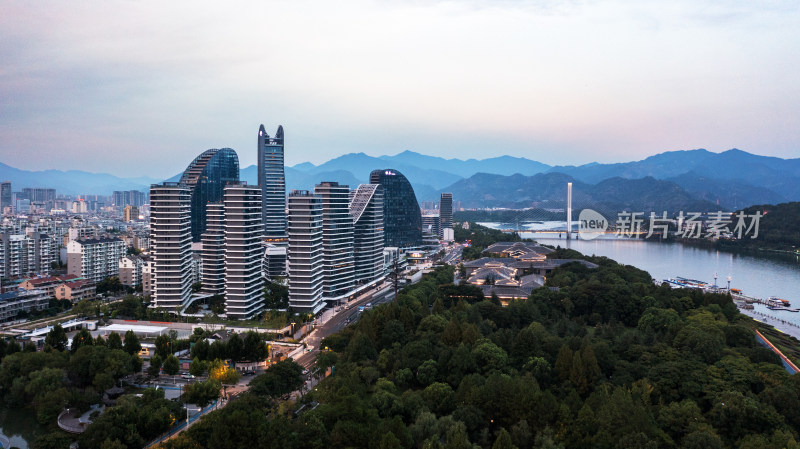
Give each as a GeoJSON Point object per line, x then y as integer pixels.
{"type": "Point", "coordinates": [139, 88]}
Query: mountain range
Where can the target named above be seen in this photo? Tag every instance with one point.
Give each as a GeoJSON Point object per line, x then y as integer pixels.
{"type": "Point", "coordinates": [701, 178]}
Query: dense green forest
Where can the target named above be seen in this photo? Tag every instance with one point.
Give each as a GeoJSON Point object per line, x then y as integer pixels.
{"type": "Point", "coordinates": [602, 358]}
{"type": "Point", "coordinates": [779, 229]}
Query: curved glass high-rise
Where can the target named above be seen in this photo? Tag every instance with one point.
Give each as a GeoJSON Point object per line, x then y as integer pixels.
{"type": "Point", "coordinates": [272, 179]}
{"type": "Point", "coordinates": [402, 218]}
{"type": "Point", "coordinates": [206, 178]}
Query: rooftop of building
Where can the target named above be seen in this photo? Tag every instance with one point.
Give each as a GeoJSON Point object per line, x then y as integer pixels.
{"type": "Point", "coordinates": [79, 283]}
{"type": "Point", "coordinates": [14, 294]}
{"type": "Point", "coordinates": [51, 279]}
{"type": "Point", "coordinates": [519, 250]}
{"type": "Point", "coordinates": [515, 263]}
{"type": "Point", "coordinates": [96, 240]}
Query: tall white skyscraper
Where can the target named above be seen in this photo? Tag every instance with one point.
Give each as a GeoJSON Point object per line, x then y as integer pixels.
{"type": "Point", "coordinates": [305, 253]}
{"type": "Point", "coordinates": [244, 282]}
{"type": "Point", "coordinates": [366, 208]}
{"type": "Point", "coordinates": [171, 245]}
{"type": "Point", "coordinates": [214, 250]}
{"type": "Point", "coordinates": [337, 239]}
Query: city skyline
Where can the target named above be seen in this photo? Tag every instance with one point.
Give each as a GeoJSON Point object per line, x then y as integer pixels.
{"type": "Point", "coordinates": [558, 82]}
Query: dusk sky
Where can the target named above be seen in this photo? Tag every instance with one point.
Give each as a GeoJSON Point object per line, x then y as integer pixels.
{"type": "Point", "coordinates": [141, 88]}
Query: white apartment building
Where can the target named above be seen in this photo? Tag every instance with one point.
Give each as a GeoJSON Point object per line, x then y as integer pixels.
{"type": "Point", "coordinates": [95, 258]}
{"type": "Point", "coordinates": [305, 253]}
{"type": "Point", "coordinates": [171, 246]}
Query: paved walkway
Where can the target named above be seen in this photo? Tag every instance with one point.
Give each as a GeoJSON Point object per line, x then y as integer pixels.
{"type": "Point", "coordinates": [780, 324]}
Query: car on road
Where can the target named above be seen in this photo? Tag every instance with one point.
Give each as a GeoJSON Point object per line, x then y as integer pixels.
{"type": "Point", "coordinates": [248, 373]}
{"type": "Point", "coordinates": [187, 376]}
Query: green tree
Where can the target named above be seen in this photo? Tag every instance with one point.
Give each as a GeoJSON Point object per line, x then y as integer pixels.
{"type": "Point", "coordinates": [426, 373]}
{"type": "Point", "coordinates": [53, 440]}
{"type": "Point", "coordinates": [235, 347]}
{"type": "Point", "coordinates": [201, 393]}
{"type": "Point", "coordinates": [197, 367]}
{"type": "Point", "coordinates": [114, 341]}
{"type": "Point", "coordinates": [220, 371]}
{"type": "Point", "coordinates": [56, 338]}
{"type": "Point", "coordinates": [254, 348]}
{"type": "Point", "coordinates": [155, 365]}
{"type": "Point", "coordinates": [171, 365]}
{"type": "Point", "coordinates": [82, 338]}
{"type": "Point", "coordinates": [503, 441]}
{"type": "Point", "coordinates": [281, 378]}
{"type": "Point", "coordinates": [163, 346]}
{"type": "Point", "coordinates": [132, 345]}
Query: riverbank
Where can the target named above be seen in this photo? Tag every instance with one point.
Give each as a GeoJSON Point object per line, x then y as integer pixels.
{"type": "Point", "coordinates": [787, 327]}
{"type": "Point", "coordinates": [735, 248]}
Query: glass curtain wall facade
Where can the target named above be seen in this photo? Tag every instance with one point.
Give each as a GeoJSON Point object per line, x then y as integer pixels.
{"type": "Point", "coordinates": [206, 178]}
{"type": "Point", "coordinates": [272, 179]}
{"type": "Point", "coordinates": [445, 212]}
{"type": "Point", "coordinates": [402, 218]}
{"type": "Point", "coordinates": [5, 195]}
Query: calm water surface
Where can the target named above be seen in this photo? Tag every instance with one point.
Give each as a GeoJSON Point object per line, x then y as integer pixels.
{"type": "Point", "coordinates": [756, 275]}
{"type": "Point", "coordinates": [20, 427]}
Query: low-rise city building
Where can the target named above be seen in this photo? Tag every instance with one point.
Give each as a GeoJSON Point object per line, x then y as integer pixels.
{"type": "Point", "coordinates": [15, 302]}
{"type": "Point", "coordinates": [76, 290]}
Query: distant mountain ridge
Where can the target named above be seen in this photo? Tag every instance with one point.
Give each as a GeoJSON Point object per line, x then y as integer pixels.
{"type": "Point", "coordinates": [72, 182]}
{"type": "Point", "coordinates": [549, 191]}
{"type": "Point", "coordinates": [730, 179]}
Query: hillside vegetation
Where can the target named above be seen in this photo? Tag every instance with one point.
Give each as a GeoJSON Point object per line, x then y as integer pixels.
{"type": "Point", "coordinates": [602, 359]}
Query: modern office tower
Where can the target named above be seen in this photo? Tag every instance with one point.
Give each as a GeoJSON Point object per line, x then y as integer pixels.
{"type": "Point", "coordinates": [206, 178]}
{"type": "Point", "coordinates": [214, 250]}
{"type": "Point", "coordinates": [171, 245]}
{"type": "Point", "coordinates": [305, 261]}
{"type": "Point", "coordinates": [130, 213]}
{"type": "Point", "coordinates": [446, 211]}
{"type": "Point", "coordinates": [95, 258]}
{"type": "Point", "coordinates": [337, 239]}
{"type": "Point", "coordinates": [402, 218]}
{"type": "Point", "coordinates": [272, 179]}
{"type": "Point", "coordinates": [26, 254]}
{"type": "Point", "coordinates": [431, 224]}
{"type": "Point", "coordinates": [244, 283]}
{"type": "Point", "coordinates": [366, 208]}
{"type": "Point", "coordinates": [5, 196]}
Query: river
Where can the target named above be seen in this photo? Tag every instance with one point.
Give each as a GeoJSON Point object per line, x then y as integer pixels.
{"type": "Point", "coordinates": [756, 275]}
{"type": "Point", "coordinates": [20, 427]}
